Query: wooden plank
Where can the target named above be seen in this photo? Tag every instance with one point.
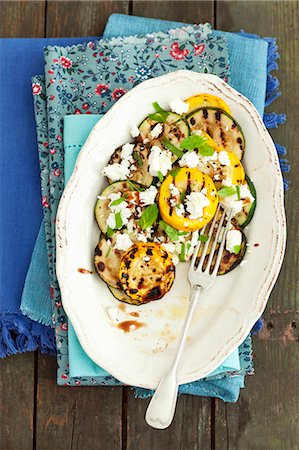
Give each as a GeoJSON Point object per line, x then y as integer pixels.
{"type": "Point", "coordinates": [190, 429]}
{"type": "Point", "coordinates": [81, 18]}
{"type": "Point", "coordinates": [17, 402]}
{"type": "Point", "coordinates": [271, 396]}
{"type": "Point", "coordinates": [181, 11]}
{"type": "Point", "coordinates": [22, 18]}
{"type": "Point", "coordinates": [76, 417]}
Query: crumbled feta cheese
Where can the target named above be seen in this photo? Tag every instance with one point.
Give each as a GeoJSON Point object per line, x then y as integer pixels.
{"type": "Point", "coordinates": [156, 131]}
{"type": "Point", "coordinates": [114, 196]}
{"type": "Point", "coordinates": [135, 131]}
{"type": "Point", "coordinates": [146, 258]}
{"type": "Point", "coordinates": [175, 259]}
{"type": "Point", "coordinates": [207, 159]}
{"type": "Point", "coordinates": [223, 158]}
{"type": "Point", "coordinates": [146, 141]}
{"type": "Point", "coordinates": [233, 239]}
{"type": "Point", "coordinates": [189, 159]}
{"type": "Point", "coordinates": [245, 192]}
{"type": "Point", "coordinates": [231, 202]}
{"type": "Point", "coordinates": [126, 152]}
{"type": "Point", "coordinates": [227, 182]}
{"type": "Point", "coordinates": [159, 161]}
{"type": "Point", "coordinates": [117, 171]}
{"type": "Point", "coordinates": [169, 247]}
{"type": "Point", "coordinates": [193, 242]}
{"type": "Point", "coordinates": [178, 106]}
{"type": "Point", "coordinates": [101, 197]}
{"type": "Point", "coordinates": [204, 191]}
{"type": "Point", "coordinates": [133, 167]}
{"type": "Point", "coordinates": [148, 196]}
{"type": "Point", "coordinates": [173, 190]}
{"type": "Point", "coordinates": [243, 262]}
{"type": "Point", "coordinates": [195, 203]}
{"type": "Point", "coordinates": [180, 210]}
{"type": "Point", "coordinates": [111, 221]}
{"type": "Point", "coordinates": [123, 242]}
{"type": "Point", "coordinates": [216, 177]}
{"type": "Point", "coordinates": [141, 237]}
{"type": "Point", "coordinates": [198, 132]}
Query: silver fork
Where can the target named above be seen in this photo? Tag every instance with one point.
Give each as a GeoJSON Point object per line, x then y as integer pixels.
{"type": "Point", "coordinates": [161, 409]}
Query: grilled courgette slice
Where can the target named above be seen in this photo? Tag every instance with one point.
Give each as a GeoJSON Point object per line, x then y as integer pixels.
{"type": "Point", "coordinates": [107, 260]}
{"type": "Point", "coordinates": [101, 209]}
{"type": "Point", "coordinates": [187, 181]}
{"type": "Point", "coordinates": [120, 295]}
{"type": "Point", "coordinates": [221, 126]}
{"type": "Point", "coordinates": [139, 168]}
{"type": "Point", "coordinates": [146, 272]}
{"type": "Point", "coordinates": [206, 101]}
{"type": "Point", "coordinates": [174, 130]}
{"type": "Point", "coordinates": [244, 217]}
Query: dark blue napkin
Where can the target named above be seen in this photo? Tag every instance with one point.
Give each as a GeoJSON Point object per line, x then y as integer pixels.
{"type": "Point", "coordinates": [21, 211]}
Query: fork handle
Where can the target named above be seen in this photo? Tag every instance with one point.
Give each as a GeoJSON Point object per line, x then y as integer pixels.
{"type": "Point", "coordinates": [161, 409]}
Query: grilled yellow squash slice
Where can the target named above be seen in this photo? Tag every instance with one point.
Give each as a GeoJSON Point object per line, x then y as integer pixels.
{"type": "Point", "coordinates": [186, 181]}
{"type": "Point", "coordinates": [206, 101]}
{"type": "Point", "coordinates": [146, 272]}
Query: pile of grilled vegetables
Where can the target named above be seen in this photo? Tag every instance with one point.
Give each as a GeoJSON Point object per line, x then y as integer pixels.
{"type": "Point", "coordinates": [164, 187]}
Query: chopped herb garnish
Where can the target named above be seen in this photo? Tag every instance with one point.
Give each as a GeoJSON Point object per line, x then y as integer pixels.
{"type": "Point", "coordinates": [109, 232]}
{"type": "Point", "coordinates": [148, 217]}
{"type": "Point", "coordinates": [203, 238]}
{"type": "Point", "coordinates": [159, 109]}
{"type": "Point", "coordinates": [182, 196]}
{"type": "Point", "coordinates": [183, 233]}
{"type": "Point", "coordinates": [188, 246]}
{"type": "Point", "coordinates": [160, 115]}
{"type": "Point", "coordinates": [238, 192]}
{"type": "Point", "coordinates": [118, 201]}
{"type": "Point", "coordinates": [118, 220]}
{"type": "Point", "coordinates": [175, 172]}
{"type": "Point", "coordinates": [226, 191]}
{"type": "Point", "coordinates": [108, 252]}
{"type": "Point", "coordinates": [237, 248]}
{"type": "Point", "coordinates": [199, 143]}
{"type": "Point", "coordinates": [182, 254]}
{"type": "Point", "coordinates": [132, 186]}
{"type": "Point", "coordinates": [160, 176]}
{"type": "Point", "coordinates": [171, 232]}
{"type": "Point", "coordinates": [176, 151]}
{"type": "Point", "coordinates": [138, 158]}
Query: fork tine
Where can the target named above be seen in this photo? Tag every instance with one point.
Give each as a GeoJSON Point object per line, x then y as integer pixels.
{"type": "Point", "coordinates": [207, 243]}
{"type": "Point", "coordinates": [195, 252]}
{"type": "Point", "coordinates": [223, 239]}
{"type": "Point", "coordinates": [219, 230]}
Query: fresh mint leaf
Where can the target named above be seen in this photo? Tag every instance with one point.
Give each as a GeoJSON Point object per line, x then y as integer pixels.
{"type": "Point", "coordinates": [182, 196]}
{"type": "Point", "coordinates": [171, 232]}
{"type": "Point", "coordinates": [196, 142]}
{"type": "Point", "coordinates": [148, 216]}
{"type": "Point", "coordinates": [175, 172]}
{"type": "Point", "coordinates": [203, 238]}
{"type": "Point", "coordinates": [158, 117]}
{"type": "Point", "coordinates": [109, 232]}
{"type": "Point", "coordinates": [237, 248]}
{"type": "Point", "coordinates": [118, 220]}
{"type": "Point", "coordinates": [182, 256]}
{"type": "Point", "coordinates": [118, 201]}
{"type": "Point", "coordinates": [176, 151]}
{"type": "Point", "coordinates": [138, 158]}
{"type": "Point", "coordinates": [160, 176]}
{"type": "Point", "coordinates": [226, 191]}
{"type": "Point", "coordinates": [158, 108]}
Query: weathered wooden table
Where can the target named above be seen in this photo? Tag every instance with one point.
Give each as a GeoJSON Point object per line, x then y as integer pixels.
{"type": "Point", "coordinates": [36, 414]}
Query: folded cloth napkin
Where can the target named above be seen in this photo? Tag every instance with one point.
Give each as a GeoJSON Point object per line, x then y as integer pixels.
{"type": "Point", "coordinates": [76, 131]}
{"type": "Point", "coordinates": [20, 200]}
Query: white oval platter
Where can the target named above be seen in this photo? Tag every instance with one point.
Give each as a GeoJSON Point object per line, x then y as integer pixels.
{"type": "Point", "coordinates": [230, 308]}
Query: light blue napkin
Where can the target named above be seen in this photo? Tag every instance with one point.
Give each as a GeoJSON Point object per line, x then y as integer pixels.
{"type": "Point", "coordinates": [76, 131]}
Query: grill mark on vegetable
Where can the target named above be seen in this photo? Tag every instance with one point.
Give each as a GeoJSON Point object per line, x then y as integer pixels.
{"type": "Point", "coordinates": [239, 140]}
{"type": "Point", "coordinates": [188, 189]}
{"type": "Point", "coordinates": [119, 285]}
{"type": "Point", "coordinates": [140, 284]}
{"type": "Point", "coordinates": [124, 275]}
{"type": "Point", "coordinates": [218, 115]}
{"type": "Point", "coordinates": [192, 121]}
{"type": "Point", "coordinates": [133, 291]}
{"type": "Point", "coordinates": [170, 268]}
{"type": "Point", "coordinates": [98, 251]}
{"type": "Point", "coordinates": [236, 165]}
{"type": "Point", "coordinates": [127, 263]}
{"type": "Point", "coordinates": [170, 211]}
{"type": "Point", "coordinates": [209, 132]}
{"type": "Point", "coordinates": [234, 125]}
{"type": "Point", "coordinates": [101, 266]}
{"type": "Point", "coordinates": [205, 113]}
{"type": "Point", "coordinates": [149, 251]}
{"type": "Point", "coordinates": [154, 294]}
